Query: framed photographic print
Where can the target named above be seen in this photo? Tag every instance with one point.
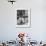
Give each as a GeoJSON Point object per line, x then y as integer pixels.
{"type": "Point", "coordinates": [23, 17]}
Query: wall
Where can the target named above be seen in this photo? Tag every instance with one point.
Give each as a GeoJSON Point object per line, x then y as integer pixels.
{"type": "Point", "coordinates": [8, 28]}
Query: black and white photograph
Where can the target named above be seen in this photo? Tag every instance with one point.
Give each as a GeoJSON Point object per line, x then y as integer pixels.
{"type": "Point", "coordinates": [23, 17]}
